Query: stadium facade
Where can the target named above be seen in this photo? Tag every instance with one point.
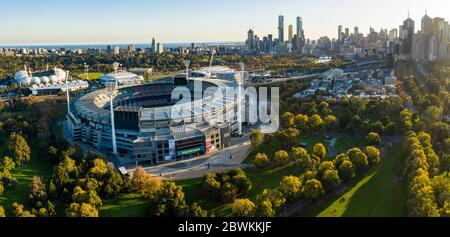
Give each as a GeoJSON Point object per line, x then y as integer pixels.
{"type": "Point", "coordinates": [151, 126]}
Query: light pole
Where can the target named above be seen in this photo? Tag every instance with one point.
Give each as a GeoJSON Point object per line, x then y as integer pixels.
{"type": "Point", "coordinates": [86, 69]}
{"type": "Point", "coordinates": [116, 66]}
{"type": "Point", "coordinates": [67, 92]}
{"type": "Point", "coordinates": [187, 63]}
{"type": "Point", "coordinates": [240, 83]}
{"type": "Point", "coordinates": [111, 88]}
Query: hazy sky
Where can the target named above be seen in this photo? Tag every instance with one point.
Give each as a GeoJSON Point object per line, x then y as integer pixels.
{"type": "Point", "coordinates": [137, 21]}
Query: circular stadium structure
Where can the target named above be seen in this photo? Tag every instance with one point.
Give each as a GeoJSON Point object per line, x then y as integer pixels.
{"type": "Point", "coordinates": [153, 125]}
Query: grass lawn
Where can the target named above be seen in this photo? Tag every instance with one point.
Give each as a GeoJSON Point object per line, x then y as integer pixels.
{"type": "Point", "coordinates": [128, 205]}
{"type": "Point", "coordinates": [151, 78]}
{"type": "Point", "coordinates": [38, 166]}
{"type": "Point", "coordinates": [261, 179]}
{"type": "Point", "coordinates": [381, 194]}
{"type": "Point", "coordinates": [346, 143]}
{"type": "Point", "coordinates": [92, 76]}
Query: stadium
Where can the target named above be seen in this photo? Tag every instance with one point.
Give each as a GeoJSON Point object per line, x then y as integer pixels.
{"type": "Point", "coordinates": [47, 82]}
{"type": "Point", "coordinates": [143, 120]}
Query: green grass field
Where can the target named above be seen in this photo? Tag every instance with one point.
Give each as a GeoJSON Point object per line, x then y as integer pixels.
{"type": "Point", "coordinates": [345, 143]}
{"type": "Point", "coordinates": [128, 205]}
{"type": "Point", "coordinates": [38, 166]}
{"type": "Point", "coordinates": [381, 194]}
{"type": "Point", "coordinates": [92, 76]}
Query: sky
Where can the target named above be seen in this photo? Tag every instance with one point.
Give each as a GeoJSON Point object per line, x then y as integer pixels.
{"type": "Point", "coordinates": [31, 22]}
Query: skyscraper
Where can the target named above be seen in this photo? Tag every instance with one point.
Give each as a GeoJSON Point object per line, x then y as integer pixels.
{"type": "Point", "coordinates": [154, 45]}
{"type": "Point", "coordinates": [250, 40]}
{"type": "Point", "coordinates": [406, 38]}
{"type": "Point", "coordinates": [340, 34]}
{"type": "Point", "coordinates": [281, 29]}
{"type": "Point", "coordinates": [300, 32]}
{"type": "Point", "coordinates": [427, 31]}
{"type": "Point", "coordinates": [290, 33]}
{"type": "Point", "coordinates": [270, 43]}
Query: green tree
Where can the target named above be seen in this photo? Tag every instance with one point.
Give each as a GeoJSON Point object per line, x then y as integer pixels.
{"type": "Point", "coordinates": [301, 121]}
{"type": "Point", "coordinates": [287, 120]}
{"type": "Point", "coordinates": [37, 190]}
{"type": "Point", "coordinates": [243, 208]}
{"type": "Point", "coordinates": [19, 149]}
{"type": "Point", "coordinates": [330, 179]}
{"type": "Point", "coordinates": [169, 202]}
{"type": "Point", "coordinates": [2, 211]}
{"type": "Point", "coordinates": [320, 150]}
{"type": "Point", "coordinates": [281, 158]}
{"type": "Point", "coordinates": [433, 114]}
{"type": "Point", "coordinates": [81, 210]}
{"type": "Point", "coordinates": [256, 138]}
{"type": "Point", "coordinates": [291, 187]}
{"type": "Point", "coordinates": [373, 155]}
{"type": "Point", "coordinates": [315, 122]}
{"type": "Point", "coordinates": [264, 209]}
{"type": "Point", "coordinates": [313, 189]}
{"type": "Point", "coordinates": [261, 161]}
{"type": "Point", "coordinates": [346, 170]}
{"type": "Point", "coordinates": [7, 164]}
{"type": "Point", "coordinates": [340, 159]}
{"type": "Point", "coordinates": [359, 159]}
{"type": "Point", "coordinates": [196, 210]}
{"type": "Point", "coordinates": [373, 139]}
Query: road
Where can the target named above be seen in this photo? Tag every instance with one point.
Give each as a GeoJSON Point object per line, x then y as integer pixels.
{"type": "Point", "coordinates": [228, 158]}
{"type": "Point", "coordinates": [280, 80]}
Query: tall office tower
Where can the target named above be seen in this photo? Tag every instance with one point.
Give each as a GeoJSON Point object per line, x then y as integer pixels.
{"type": "Point", "coordinates": [281, 29]}
{"type": "Point", "coordinates": [270, 42]}
{"type": "Point", "coordinates": [427, 30]}
{"type": "Point", "coordinates": [250, 43]}
{"type": "Point", "coordinates": [406, 38]}
{"type": "Point", "coordinates": [443, 37]}
{"type": "Point", "coordinates": [153, 45]}
{"type": "Point", "coordinates": [393, 34]}
{"type": "Point", "coordinates": [356, 33]}
{"type": "Point", "coordinates": [116, 50]}
{"type": "Point", "coordinates": [300, 32]}
{"type": "Point", "coordinates": [340, 34]}
{"type": "Point", "coordinates": [159, 48]}
{"type": "Point", "coordinates": [109, 49]}
{"type": "Point", "coordinates": [347, 32]}
{"type": "Point", "coordinates": [290, 33]}
{"type": "Point", "coordinates": [418, 46]}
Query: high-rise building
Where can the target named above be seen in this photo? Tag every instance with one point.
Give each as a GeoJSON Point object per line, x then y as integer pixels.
{"type": "Point", "coordinates": [109, 49]}
{"type": "Point", "coordinates": [153, 45]}
{"type": "Point", "coordinates": [356, 34]}
{"type": "Point", "coordinates": [419, 46]}
{"type": "Point", "coordinates": [347, 32]}
{"type": "Point", "coordinates": [290, 33]}
{"type": "Point", "coordinates": [340, 34]}
{"type": "Point", "coordinates": [300, 32]}
{"type": "Point", "coordinates": [406, 38]}
{"type": "Point", "coordinates": [270, 43]}
{"type": "Point", "coordinates": [427, 31]}
{"type": "Point", "coordinates": [250, 43]}
{"type": "Point", "coordinates": [160, 48]}
{"type": "Point", "coordinates": [116, 50]}
{"type": "Point", "coordinates": [281, 29]}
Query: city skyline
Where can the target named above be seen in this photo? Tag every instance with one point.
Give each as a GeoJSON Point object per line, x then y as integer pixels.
{"type": "Point", "coordinates": [100, 22]}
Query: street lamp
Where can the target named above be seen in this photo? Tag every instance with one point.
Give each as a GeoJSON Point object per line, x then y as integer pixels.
{"type": "Point", "coordinates": [187, 63]}
{"type": "Point", "coordinates": [111, 88]}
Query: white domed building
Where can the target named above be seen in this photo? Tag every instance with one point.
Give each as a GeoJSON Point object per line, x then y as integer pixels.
{"type": "Point", "coordinates": [47, 82]}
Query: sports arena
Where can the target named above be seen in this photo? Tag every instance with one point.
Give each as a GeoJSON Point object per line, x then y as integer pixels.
{"type": "Point", "coordinates": [146, 131]}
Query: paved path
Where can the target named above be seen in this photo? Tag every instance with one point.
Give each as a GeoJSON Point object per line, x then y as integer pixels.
{"type": "Point", "coordinates": [229, 158]}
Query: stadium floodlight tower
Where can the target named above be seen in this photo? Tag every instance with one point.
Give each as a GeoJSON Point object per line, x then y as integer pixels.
{"type": "Point", "coordinates": [67, 90]}
{"type": "Point", "coordinates": [111, 89]}
{"type": "Point", "coordinates": [86, 71]}
{"type": "Point", "coordinates": [116, 66]}
{"type": "Point", "coordinates": [240, 83]}
{"type": "Point", "coordinates": [187, 63]}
